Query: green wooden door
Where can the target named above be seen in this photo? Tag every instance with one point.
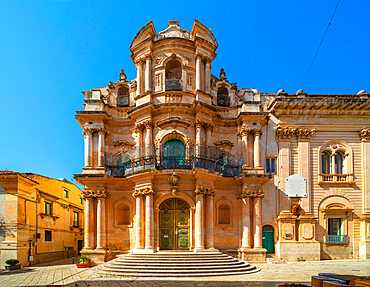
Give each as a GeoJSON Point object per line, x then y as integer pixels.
{"type": "Point", "coordinates": [174, 225]}
{"type": "Point", "coordinates": [268, 240]}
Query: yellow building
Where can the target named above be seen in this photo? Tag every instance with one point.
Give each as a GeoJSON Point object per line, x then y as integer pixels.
{"type": "Point", "coordinates": [41, 218]}
{"type": "Point", "coordinates": [181, 159]}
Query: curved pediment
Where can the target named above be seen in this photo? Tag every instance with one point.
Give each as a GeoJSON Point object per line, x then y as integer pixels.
{"type": "Point", "coordinates": [146, 32]}
{"type": "Point", "coordinates": [174, 122]}
{"type": "Point", "coordinates": [201, 31]}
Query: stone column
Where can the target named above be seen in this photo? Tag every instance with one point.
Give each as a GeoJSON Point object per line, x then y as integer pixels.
{"type": "Point", "coordinates": [198, 126]}
{"type": "Point", "coordinates": [138, 78]}
{"type": "Point", "coordinates": [89, 219]}
{"type": "Point", "coordinates": [209, 220]}
{"type": "Point", "coordinates": [139, 130]}
{"type": "Point", "coordinates": [101, 146]}
{"type": "Point", "coordinates": [246, 221]}
{"type": "Point", "coordinates": [208, 76]}
{"type": "Point", "coordinates": [148, 138]}
{"type": "Point", "coordinates": [244, 134]}
{"type": "Point", "coordinates": [304, 167]}
{"type": "Point", "coordinates": [198, 72]}
{"type": "Point", "coordinates": [149, 217]}
{"type": "Point", "coordinates": [199, 235]}
{"type": "Point", "coordinates": [147, 74]}
{"type": "Point", "coordinates": [100, 224]}
{"type": "Point", "coordinates": [88, 146]}
{"type": "Point", "coordinates": [257, 222]}
{"type": "Point", "coordinates": [139, 219]}
{"type": "Point", "coordinates": [256, 150]}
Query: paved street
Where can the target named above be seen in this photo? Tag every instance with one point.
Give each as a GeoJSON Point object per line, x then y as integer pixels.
{"type": "Point", "coordinates": [62, 273]}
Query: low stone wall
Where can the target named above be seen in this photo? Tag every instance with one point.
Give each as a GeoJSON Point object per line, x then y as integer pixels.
{"type": "Point", "coordinates": [50, 256]}
{"type": "Point", "coordinates": [291, 251]}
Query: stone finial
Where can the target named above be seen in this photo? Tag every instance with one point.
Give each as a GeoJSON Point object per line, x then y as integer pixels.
{"type": "Point", "coordinates": [299, 92]}
{"type": "Point", "coordinates": [122, 76]}
{"type": "Point", "coordinates": [361, 92]}
{"type": "Point", "coordinates": [222, 75]}
{"type": "Point", "coordinates": [173, 23]}
{"type": "Point", "coordinates": [281, 91]}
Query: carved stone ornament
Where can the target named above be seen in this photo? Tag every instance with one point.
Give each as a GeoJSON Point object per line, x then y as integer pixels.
{"type": "Point", "coordinates": [174, 180]}
{"type": "Point", "coordinates": [296, 209]}
{"type": "Point", "coordinates": [112, 85]}
{"type": "Point", "coordinates": [224, 144]}
{"type": "Point", "coordinates": [250, 193]}
{"type": "Point", "coordinates": [245, 130]}
{"type": "Point", "coordinates": [285, 132]}
{"type": "Point", "coordinates": [204, 190]}
{"type": "Point", "coordinates": [125, 144]}
{"type": "Point", "coordinates": [304, 133]}
{"type": "Point", "coordinates": [365, 133]}
{"type": "Point", "coordinates": [101, 194]}
{"type": "Point", "coordinates": [222, 75]}
{"type": "Point", "coordinates": [94, 194]}
{"type": "Point", "coordinates": [142, 191]}
{"type": "Point", "coordinates": [87, 194]}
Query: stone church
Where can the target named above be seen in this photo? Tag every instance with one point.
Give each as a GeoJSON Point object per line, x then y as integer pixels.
{"type": "Point", "coordinates": [181, 159]}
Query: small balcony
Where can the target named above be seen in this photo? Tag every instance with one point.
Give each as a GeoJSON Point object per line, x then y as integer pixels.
{"type": "Point", "coordinates": [336, 239]}
{"type": "Point", "coordinates": [147, 157]}
{"type": "Point", "coordinates": [336, 178]}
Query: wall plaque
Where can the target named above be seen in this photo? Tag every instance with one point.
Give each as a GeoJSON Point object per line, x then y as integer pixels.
{"type": "Point", "coordinates": [296, 186]}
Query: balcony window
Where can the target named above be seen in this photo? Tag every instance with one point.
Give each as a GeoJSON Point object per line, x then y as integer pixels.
{"type": "Point", "coordinates": [75, 219]}
{"type": "Point", "coordinates": [335, 160]}
{"type": "Point", "coordinates": [174, 153]}
{"type": "Point", "coordinates": [47, 208]}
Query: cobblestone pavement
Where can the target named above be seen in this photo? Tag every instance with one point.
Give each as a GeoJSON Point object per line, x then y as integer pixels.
{"type": "Point", "coordinates": [60, 274]}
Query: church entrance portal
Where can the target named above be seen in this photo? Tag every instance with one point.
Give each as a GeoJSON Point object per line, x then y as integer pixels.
{"type": "Point", "coordinates": [174, 224]}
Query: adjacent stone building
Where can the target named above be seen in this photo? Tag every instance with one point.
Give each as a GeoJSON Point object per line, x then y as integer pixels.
{"type": "Point", "coordinates": [180, 159]}
{"type": "Point", "coordinates": [41, 218]}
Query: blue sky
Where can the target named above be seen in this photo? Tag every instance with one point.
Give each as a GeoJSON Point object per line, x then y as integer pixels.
{"type": "Point", "coordinates": [52, 50]}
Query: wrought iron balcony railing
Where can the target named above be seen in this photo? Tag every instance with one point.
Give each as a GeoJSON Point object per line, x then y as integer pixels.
{"type": "Point", "coordinates": [336, 239]}
{"type": "Point", "coordinates": [141, 158]}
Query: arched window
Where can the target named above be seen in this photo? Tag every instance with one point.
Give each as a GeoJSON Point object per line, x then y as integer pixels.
{"type": "Point", "coordinates": [224, 214]}
{"type": "Point", "coordinates": [339, 162]}
{"type": "Point", "coordinates": [123, 216]}
{"type": "Point", "coordinates": [123, 99]}
{"type": "Point", "coordinates": [326, 163]}
{"type": "Point", "coordinates": [223, 97]}
{"type": "Point", "coordinates": [173, 76]}
{"type": "Point", "coordinates": [174, 153]}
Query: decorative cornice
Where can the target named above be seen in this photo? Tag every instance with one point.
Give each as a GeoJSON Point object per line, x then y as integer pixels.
{"type": "Point", "coordinates": [284, 132]}
{"type": "Point", "coordinates": [123, 143]}
{"type": "Point", "coordinates": [365, 134]}
{"type": "Point", "coordinates": [288, 132]}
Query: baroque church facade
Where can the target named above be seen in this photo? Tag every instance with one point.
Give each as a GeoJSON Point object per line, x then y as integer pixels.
{"type": "Point", "coordinates": [180, 159]}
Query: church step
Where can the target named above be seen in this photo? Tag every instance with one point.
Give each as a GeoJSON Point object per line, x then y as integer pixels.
{"type": "Point", "coordinates": [174, 267]}
{"type": "Point", "coordinates": [177, 272]}
{"type": "Point", "coordinates": [178, 275]}
{"type": "Point", "coordinates": [176, 263]}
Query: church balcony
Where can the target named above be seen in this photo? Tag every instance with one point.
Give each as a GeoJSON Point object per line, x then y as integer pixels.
{"type": "Point", "coordinates": [336, 179]}
{"type": "Point", "coordinates": [139, 159]}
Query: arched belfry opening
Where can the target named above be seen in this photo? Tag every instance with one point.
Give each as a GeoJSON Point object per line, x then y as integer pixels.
{"type": "Point", "coordinates": [173, 75]}
{"type": "Point", "coordinates": [223, 99]}
{"type": "Point", "coordinates": [123, 98]}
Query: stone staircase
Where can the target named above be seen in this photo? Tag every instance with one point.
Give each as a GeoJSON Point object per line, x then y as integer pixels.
{"type": "Point", "coordinates": [174, 264]}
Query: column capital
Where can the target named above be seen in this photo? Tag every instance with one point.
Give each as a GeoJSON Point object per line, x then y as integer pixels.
{"type": "Point", "coordinates": [200, 190]}
{"type": "Point", "coordinates": [199, 123]}
{"type": "Point", "coordinates": [87, 131]}
{"type": "Point", "coordinates": [199, 56]}
{"type": "Point", "coordinates": [139, 127]}
{"type": "Point", "coordinates": [251, 193]}
{"type": "Point", "coordinates": [148, 124]}
{"type": "Point", "coordinates": [304, 133]}
{"type": "Point", "coordinates": [86, 193]}
{"type": "Point", "coordinates": [143, 191]}
{"type": "Point", "coordinates": [245, 130]}
{"type": "Point", "coordinates": [101, 131]}
{"type": "Point", "coordinates": [210, 192]}
{"type": "Point", "coordinates": [257, 131]}
{"type": "Point", "coordinates": [285, 132]}
{"type": "Point", "coordinates": [101, 194]}
{"type": "Point", "coordinates": [365, 134]}
{"type": "Point", "coordinates": [208, 126]}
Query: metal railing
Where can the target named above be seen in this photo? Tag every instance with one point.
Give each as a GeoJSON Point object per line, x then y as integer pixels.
{"type": "Point", "coordinates": [147, 157]}
{"type": "Point", "coordinates": [336, 239]}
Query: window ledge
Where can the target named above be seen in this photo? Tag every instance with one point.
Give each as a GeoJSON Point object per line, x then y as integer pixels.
{"type": "Point", "coordinates": [54, 217]}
